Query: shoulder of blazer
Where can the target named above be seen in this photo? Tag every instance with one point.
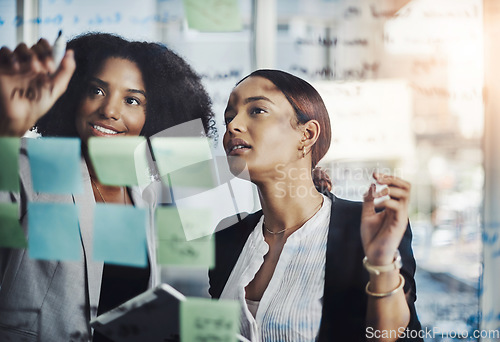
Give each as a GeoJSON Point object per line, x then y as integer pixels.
{"type": "Point", "coordinates": [343, 312]}
{"type": "Point", "coordinates": [229, 243]}
{"type": "Point", "coordinates": [345, 215]}
{"type": "Point", "coordinates": [344, 248]}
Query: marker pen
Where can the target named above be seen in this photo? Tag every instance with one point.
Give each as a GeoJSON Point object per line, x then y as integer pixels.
{"type": "Point", "coordinates": [59, 48]}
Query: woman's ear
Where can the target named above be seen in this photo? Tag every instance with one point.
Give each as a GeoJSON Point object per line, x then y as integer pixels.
{"type": "Point", "coordinates": [311, 130]}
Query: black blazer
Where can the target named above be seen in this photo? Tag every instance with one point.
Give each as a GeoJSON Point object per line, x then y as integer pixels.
{"type": "Point", "coordinates": [345, 300]}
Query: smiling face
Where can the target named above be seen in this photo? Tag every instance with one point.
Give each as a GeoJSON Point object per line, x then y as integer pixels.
{"type": "Point", "coordinates": [114, 103]}
{"type": "Point", "coordinates": [261, 128]}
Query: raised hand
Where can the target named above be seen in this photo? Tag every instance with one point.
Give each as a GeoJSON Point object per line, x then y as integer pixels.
{"type": "Point", "coordinates": [382, 230]}
{"type": "Point", "coordinates": [30, 85]}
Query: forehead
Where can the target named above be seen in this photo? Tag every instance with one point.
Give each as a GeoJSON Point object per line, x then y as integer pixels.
{"type": "Point", "coordinates": [256, 86]}
{"type": "Point", "coordinates": [125, 70]}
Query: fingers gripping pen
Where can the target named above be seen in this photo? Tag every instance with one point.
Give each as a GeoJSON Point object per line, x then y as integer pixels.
{"type": "Point", "coordinates": [380, 187]}
{"type": "Point", "coordinates": [59, 49]}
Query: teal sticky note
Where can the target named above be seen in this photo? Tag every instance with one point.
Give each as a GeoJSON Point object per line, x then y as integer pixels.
{"type": "Point", "coordinates": [120, 161]}
{"type": "Point", "coordinates": [53, 232]}
{"type": "Point", "coordinates": [176, 153]}
{"type": "Point", "coordinates": [213, 15]}
{"type": "Point", "coordinates": [174, 249]}
{"type": "Point", "coordinates": [120, 234]}
{"type": "Point", "coordinates": [55, 165]}
{"type": "Point", "coordinates": [11, 232]}
{"type": "Point", "coordinates": [9, 171]}
{"type": "Point", "coordinates": [204, 319]}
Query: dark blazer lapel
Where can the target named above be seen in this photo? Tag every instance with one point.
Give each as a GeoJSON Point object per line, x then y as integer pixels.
{"type": "Point", "coordinates": [229, 243]}
{"type": "Point", "coordinates": [343, 295]}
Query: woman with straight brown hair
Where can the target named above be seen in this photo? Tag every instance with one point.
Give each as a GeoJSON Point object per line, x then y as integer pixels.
{"type": "Point", "coordinates": [296, 266]}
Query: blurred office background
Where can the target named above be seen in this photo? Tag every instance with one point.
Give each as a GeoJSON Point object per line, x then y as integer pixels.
{"type": "Point", "coordinates": [404, 84]}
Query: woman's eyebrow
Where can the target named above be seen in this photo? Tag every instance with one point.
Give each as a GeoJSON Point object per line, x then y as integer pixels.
{"type": "Point", "coordinates": [105, 84]}
{"type": "Point", "coordinates": [137, 91]}
{"type": "Point", "coordinates": [257, 98]}
{"type": "Point", "coordinates": [99, 81]}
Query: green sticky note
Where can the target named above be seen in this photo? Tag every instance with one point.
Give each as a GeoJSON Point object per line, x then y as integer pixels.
{"type": "Point", "coordinates": [174, 249]}
{"type": "Point", "coordinates": [204, 319]}
{"type": "Point", "coordinates": [196, 221]}
{"type": "Point", "coordinates": [9, 171]}
{"type": "Point", "coordinates": [11, 232]}
{"type": "Point", "coordinates": [120, 160]}
{"type": "Point", "coordinates": [189, 253]}
{"type": "Point", "coordinates": [200, 175]}
{"type": "Point", "coordinates": [168, 224]}
{"type": "Point", "coordinates": [213, 15]}
{"type": "Point", "coordinates": [176, 153]}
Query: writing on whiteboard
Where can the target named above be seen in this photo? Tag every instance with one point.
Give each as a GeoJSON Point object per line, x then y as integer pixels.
{"type": "Point", "coordinates": [94, 19]}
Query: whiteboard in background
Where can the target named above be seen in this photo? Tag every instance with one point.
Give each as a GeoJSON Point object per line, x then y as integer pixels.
{"type": "Point", "coordinates": [370, 119]}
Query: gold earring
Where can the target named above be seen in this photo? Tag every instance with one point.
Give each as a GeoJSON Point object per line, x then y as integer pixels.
{"type": "Point", "coordinates": [303, 141]}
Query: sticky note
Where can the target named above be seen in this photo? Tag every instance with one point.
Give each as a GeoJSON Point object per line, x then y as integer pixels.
{"type": "Point", "coordinates": [53, 232]}
{"type": "Point", "coordinates": [168, 224]}
{"type": "Point", "coordinates": [213, 15]}
{"type": "Point", "coordinates": [120, 161]}
{"type": "Point", "coordinates": [55, 165]}
{"type": "Point", "coordinates": [176, 153]}
{"type": "Point", "coordinates": [193, 178]}
{"type": "Point", "coordinates": [196, 220]}
{"type": "Point", "coordinates": [11, 232]}
{"type": "Point", "coordinates": [174, 249]}
{"type": "Point", "coordinates": [9, 171]}
{"type": "Point", "coordinates": [204, 319]}
{"type": "Point", "coordinates": [212, 205]}
{"type": "Point", "coordinates": [120, 234]}
{"type": "Point", "coordinates": [189, 253]}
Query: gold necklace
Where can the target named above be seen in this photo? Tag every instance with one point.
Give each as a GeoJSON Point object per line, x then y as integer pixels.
{"type": "Point", "coordinates": [284, 230]}
{"type": "Point", "coordinates": [102, 197]}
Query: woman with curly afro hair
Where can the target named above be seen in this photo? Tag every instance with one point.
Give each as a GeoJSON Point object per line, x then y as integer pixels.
{"type": "Point", "coordinates": [105, 86]}
{"type": "Point", "coordinates": [168, 79]}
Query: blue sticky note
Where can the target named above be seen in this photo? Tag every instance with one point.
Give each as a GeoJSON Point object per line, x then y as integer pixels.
{"type": "Point", "coordinates": [53, 232]}
{"type": "Point", "coordinates": [120, 234]}
{"type": "Point", "coordinates": [55, 165]}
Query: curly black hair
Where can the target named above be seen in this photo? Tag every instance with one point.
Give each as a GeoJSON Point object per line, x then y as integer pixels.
{"type": "Point", "coordinates": [174, 91]}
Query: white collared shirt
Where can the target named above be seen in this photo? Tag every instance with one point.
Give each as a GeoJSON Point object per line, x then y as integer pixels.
{"type": "Point", "coordinates": [290, 308]}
